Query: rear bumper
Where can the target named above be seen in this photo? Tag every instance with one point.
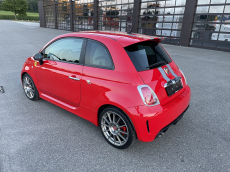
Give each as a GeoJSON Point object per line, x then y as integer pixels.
{"type": "Point", "coordinates": [149, 122]}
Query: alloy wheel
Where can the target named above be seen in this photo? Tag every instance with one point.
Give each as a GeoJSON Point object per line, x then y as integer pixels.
{"type": "Point", "coordinates": [114, 128]}
{"type": "Point", "coordinates": [28, 87]}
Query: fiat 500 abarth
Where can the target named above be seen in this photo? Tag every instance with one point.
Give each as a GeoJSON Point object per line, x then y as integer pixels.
{"type": "Point", "coordinates": [124, 83]}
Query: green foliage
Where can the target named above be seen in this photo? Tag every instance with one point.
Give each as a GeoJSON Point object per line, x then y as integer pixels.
{"type": "Point", "coordinates": [16, 6]}
{"type": "Point", "coordinates": [7, 15]}
{"type": "Point", "coordinates": [12, 17]}
{"type": "Point", "coordinates": [32, 5]}
{"type": "Point", "coordinates": [0, 4]}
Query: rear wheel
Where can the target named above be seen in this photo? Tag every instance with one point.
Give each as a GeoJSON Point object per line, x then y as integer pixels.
{"type": "Point", "coordinates": [29, 87]}
{"type": "Point", "coordinates": [116, 128]}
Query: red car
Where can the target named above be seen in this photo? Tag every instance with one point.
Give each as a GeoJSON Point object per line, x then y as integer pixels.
{"type": "Point", "coordinates": [123, 82]}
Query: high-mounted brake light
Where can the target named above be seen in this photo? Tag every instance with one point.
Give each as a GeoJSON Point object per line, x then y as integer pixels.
{"type": "Point", "coordinates": [148, 96]}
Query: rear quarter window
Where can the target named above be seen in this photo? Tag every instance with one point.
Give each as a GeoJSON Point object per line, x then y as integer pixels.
{"type": "Point", "coordinates": [97, 55]}
{"type": "Point", "coordinates": [145, 54]}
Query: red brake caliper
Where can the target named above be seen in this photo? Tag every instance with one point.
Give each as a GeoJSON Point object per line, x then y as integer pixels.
{"type": "Point", "coordinates": [123, 129]}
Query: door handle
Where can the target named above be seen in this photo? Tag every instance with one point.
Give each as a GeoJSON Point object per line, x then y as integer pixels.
{"type": "Point", "coordinates": [77, 79]}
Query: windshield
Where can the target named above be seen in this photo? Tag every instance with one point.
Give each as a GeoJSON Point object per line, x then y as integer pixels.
{"type": "Point", "coordinates": [147, 55]}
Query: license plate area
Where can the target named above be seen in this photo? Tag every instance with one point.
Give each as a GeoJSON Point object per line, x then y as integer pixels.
{"type": "Point", "coordinates": [173, 86]}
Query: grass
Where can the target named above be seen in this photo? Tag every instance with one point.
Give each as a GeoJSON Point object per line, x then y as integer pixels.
{"type": "Point", "coordinates": [8, 15]}
{"type": "Point", "coordinates": [11, 13]}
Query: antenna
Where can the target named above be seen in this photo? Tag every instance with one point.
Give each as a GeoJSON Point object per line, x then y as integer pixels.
{"type": "Point", "coordinates": [132, 27]}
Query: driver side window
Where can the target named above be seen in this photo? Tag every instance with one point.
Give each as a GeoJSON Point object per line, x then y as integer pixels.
{"type": "Point", "coordinates": [68, 49]}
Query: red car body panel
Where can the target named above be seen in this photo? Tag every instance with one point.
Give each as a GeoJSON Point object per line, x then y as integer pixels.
{"type": "Point", "coordinates": [101, 87]}
{"type": "Point", "coordinates": [155, 80]}
{"type": "Point", "coordinates": [158, 116]}
{"type": "Point", "coordinates": [53, 80]}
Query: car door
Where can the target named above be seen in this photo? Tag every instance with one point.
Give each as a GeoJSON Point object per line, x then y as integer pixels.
{"type": "Point", "coordinates": [60, 75]}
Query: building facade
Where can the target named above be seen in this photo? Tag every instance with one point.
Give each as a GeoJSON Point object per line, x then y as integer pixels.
{"type": "Point", "coordinates": [196, 23]}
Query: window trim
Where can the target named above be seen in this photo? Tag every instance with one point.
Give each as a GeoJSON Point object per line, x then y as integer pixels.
{"type": "Point", "coordinates": [81, 55]}
{"type": "Point", "coordinates": [100, 67]}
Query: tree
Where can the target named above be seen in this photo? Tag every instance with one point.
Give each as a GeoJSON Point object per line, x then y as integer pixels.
{"type": "Point", "coordinates": [32, 5]}
{"type": "Point", "coordinates": [0, 4]}
{"type": "Point", "coordinates": [16, 6]}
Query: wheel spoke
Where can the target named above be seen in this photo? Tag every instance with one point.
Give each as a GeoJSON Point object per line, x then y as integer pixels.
{"type": "Point", "coordinates": [121, 136]}
{"type": "Point", "coordinates": [114, 139]}
{"type": "Point", "coordinates": [109, 136]}
{"type": "Point", "coordinates": [27, 81]}
{"type": "Point", "coordinates": [118, 138]}
{"type": "Point", "coordinates": [118, 121]}
{"type": "Point", "coordinates": [32, 93]}
{"type": "Point", "coordinates": [106, 120]}
{"type": "Point", "coordinates": [114, 118]}
{"type": "Point", "coordinates": [105, 125]}
{"type": "Point", "coordinates": [110, 120]}
{"type": "Point", "coordinates": [122, 126]}
{"type": "Point", "coordinates": [106, 130]}
{"type": "Point", "coordinates": [123, 132]}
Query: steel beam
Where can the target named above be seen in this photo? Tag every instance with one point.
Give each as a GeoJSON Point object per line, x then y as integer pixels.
{"type": "Point", "coordinates": [71, 15]}
{"type": "Point", "coordinates": [136, 14]}
{"type": "Point", "coordinates": [55, 15]}
{"type": "Point", "coordinates": [189, 13]}
{"type": "Point", "coordinates": [41, 13]}
{"type": "Point", "coordinates": [95, 15]}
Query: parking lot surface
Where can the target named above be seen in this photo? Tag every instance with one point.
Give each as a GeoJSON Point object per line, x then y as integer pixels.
{"type": "Point", "coordinates": [39, 136]}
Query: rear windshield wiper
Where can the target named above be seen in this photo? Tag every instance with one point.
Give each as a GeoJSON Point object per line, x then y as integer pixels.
{"type": "Point", "coordinates": [156, 64]}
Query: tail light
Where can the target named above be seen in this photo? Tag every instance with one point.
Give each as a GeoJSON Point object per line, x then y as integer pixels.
{"type": "Point", "coordinates": [184, 77]}
{"type": "Point", "coordinates": [148, 96]}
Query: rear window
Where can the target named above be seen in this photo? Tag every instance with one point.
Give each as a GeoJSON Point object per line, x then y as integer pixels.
{"type": "Point", "coordinates": [147, 55]}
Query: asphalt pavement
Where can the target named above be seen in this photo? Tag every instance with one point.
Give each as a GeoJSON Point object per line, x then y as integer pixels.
{"type": "Point", "coordinates": [39, 136]}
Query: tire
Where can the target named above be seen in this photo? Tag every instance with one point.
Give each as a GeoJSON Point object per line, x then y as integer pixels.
{"type": "Point", "coordinates": [29, 88]}
{"type": "Point", "coordinates": [116, 128]}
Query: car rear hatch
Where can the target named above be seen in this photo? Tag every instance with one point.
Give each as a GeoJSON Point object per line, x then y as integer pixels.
{"type": "Point", "coordinates": [156, 69]}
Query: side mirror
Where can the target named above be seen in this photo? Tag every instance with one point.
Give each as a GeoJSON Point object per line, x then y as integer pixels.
{"type": "Point", "coordinates": [39, 57]}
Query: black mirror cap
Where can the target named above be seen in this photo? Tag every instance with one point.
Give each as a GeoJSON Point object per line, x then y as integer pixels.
{"type": "Point", "coordinates": [38, 56]}
{"type": "Point", "coordinates": [41, 62]}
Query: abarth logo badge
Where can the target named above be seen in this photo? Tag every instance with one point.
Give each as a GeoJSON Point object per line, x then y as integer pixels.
{"type": "Point", "coordinates": [167, 70]}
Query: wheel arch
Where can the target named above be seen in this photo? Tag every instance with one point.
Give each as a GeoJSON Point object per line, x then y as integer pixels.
{"type": "Point", "coordinates": [101, 108]}
{"type": "Point", "coordinates": [23, 73]}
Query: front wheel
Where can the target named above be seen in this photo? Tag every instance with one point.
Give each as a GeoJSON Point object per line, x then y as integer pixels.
{"type": "Point", "coordinates": [29, 87]}
{"type": "Point", "coordinates": [116, 128]}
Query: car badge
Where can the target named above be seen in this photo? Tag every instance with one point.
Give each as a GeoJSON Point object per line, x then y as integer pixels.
{"type": "Point", "coordinates": [167, 70]}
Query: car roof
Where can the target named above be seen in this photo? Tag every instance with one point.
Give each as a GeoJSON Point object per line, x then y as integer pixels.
{"type": "Point", "coordinates": [124, 38]}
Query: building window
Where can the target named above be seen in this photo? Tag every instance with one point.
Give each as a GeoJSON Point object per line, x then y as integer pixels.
{"type": "Point", "coordinates": [63, 14]}
{"type": "Point", "coordinates": [115, 15]}
{"type": "Point", "coordinates": [162, 18]}
{"type": "Point", "coordinates": [49, 13]}
{"type": "Point", "coordinates": [83, 15]}
{"type": "Point", "coordinates": [211, 27]}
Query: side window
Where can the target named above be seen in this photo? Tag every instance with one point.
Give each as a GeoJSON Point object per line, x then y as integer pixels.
{"type": "Point", "coordinates": [67, 49]}
{"type": "Point", "coordinates": [97, 55]}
